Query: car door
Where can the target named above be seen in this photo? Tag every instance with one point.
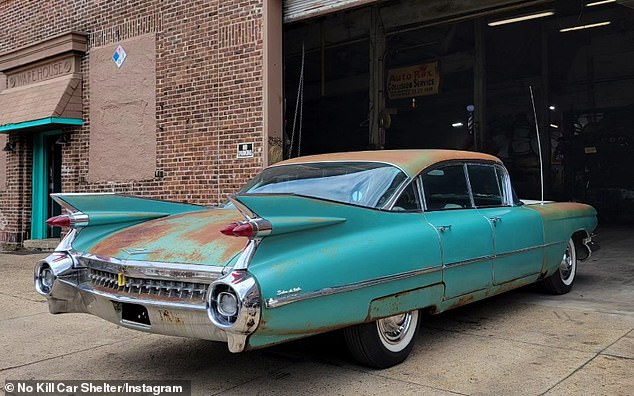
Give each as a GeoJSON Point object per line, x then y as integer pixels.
{"type": "Point", "coordinates": [517, 231]}
{"type": "Point", "coordinates": [466, 236]}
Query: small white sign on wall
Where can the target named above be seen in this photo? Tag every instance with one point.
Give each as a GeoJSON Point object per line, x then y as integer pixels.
{"type": "Point", "coordinates": [119, 56]}
{"type": "Point", "coordinates": [245, 150]}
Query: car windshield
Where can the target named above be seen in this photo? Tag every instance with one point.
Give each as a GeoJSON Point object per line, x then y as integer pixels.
{"type": "Point", "coordinates": [366, 184]}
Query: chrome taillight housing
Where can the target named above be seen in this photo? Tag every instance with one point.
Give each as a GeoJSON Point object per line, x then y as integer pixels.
{"type": "Point", "coordinates": [233, 303]}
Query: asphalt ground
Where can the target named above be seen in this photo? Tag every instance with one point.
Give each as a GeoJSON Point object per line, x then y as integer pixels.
{"type": "Point", "coordinates": [523, 342]}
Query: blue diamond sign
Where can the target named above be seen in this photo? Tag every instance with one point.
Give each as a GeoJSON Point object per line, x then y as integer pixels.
{"type": "Point", "coordinates": [119, 56]}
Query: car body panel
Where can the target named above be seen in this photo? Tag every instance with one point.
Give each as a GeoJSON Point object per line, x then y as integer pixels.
{"type": "Point", "coordinates": [353, 251]}
{"type": "Point", "coordinates": [187, 238]}
{"type": "Point", "coordinates": [467, 249]}
{"type": "Point", "coordinates": [309, 265]}
{"type": "Point", "coordinates": [561, 220]}
{"type": "Point", "coordinates": [518, 242]}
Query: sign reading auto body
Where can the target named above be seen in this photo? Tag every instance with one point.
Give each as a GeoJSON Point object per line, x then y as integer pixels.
{"type": "Point", "coordinates": [407, 82]}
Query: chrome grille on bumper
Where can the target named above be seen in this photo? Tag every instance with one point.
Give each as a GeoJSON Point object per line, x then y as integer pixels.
{"type": "Point", "coordinates": [190, 291]}
{"type": "Point", "coordinates": [149, 281]}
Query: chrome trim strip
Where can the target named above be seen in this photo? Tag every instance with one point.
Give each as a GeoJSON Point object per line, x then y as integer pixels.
{"type": "Point", "coordinates": [288, 299]}
{"type": "Point", "coordinates": [389, 205]}
{"type": "Point", "coordinates": [152, 270]}
{"type": "Point", "coordinates": [87, 288]}
{"type": "Point", "coordinates": [81, 194]}
{"type": "Point", "coordinates": [343, 161]}
{"type": "Point", "coordinates": [242, 208]}
{"type": "Point", "coordinates": [247, 254]}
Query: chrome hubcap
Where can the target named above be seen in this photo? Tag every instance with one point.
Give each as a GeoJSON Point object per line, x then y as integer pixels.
{"type": "Point", "coordinates": [567, 265]}
{"type": "Point", "coordinates": [394, 328]}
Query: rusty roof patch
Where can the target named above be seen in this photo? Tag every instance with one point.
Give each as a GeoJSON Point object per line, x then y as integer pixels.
{"type": "Point", "coordinates": [411, 161]}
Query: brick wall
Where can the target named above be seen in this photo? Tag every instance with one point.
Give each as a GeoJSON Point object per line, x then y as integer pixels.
{"type": "Point", "coordinates": [208, 95]}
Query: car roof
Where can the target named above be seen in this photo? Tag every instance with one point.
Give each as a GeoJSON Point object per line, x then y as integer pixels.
{"type": "Point", "coordinates": [412, 162]}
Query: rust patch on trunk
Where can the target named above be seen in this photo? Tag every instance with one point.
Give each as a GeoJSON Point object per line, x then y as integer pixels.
{"type": "Point", "coordinates": [148, 231]}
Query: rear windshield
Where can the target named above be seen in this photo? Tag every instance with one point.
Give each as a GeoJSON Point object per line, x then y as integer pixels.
{"type": "Point", "coordinates": [359, 183]}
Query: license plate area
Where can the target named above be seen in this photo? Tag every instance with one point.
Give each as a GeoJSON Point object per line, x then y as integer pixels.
{"type": "Point", "coordinates": [134, 314]}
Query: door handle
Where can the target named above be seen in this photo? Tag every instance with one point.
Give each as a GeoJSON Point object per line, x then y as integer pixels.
{"type": "Point", "coordinates": [495, 220]}
{"type": "Point", "coordinates": [444, 228]}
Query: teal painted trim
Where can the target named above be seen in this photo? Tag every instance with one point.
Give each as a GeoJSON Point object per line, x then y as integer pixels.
{"type": "Point", "coordinates": [44, 121]}
{"type": "Point", "coordinates": [39, 185]}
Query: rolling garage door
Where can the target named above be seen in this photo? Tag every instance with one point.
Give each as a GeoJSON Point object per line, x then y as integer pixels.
{"type": "Point", "coordinates": [295, 10]}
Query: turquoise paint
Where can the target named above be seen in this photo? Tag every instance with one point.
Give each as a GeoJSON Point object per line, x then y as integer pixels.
{"type": "Point", "coordinates": [49, 121]}
{"type": "Point", "coordinates": [406, 301]}
{"type": "Point", "coordinates": [286, 224]}
{"type": "Point", "coordinates": [39, 184]}
{"type": "Point", "coordinates": [121, 204]}
{"type": "Point", "coordinates": [515, 229]}
{"type": "Point", "coordinates": [331, 312]}
{"type": "Point", "coordinates": [469, 236]}
{"type": "Point", "coordinates": [109, 215]}
{"type": "Point", "coordinates": [39, 187]}
{"type": "Point", "coordinates": [370, 244]}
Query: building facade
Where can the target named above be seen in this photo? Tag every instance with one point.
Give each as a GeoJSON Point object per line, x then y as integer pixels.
{"type": "Point", "coordinates": [187, 100]}
{"type": "Point", "coordinates": [150, 98]}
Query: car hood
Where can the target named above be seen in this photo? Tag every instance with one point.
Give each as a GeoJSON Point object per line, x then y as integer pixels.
{"type": "Point", "coordinates": [190, 238]}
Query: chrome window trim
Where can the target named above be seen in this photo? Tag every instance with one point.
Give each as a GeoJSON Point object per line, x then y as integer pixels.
{"type": "Point", "coordinates": [341, 162]}
{"type": "Point", "coordinates": [151, 269]}
{"type": "Point", "coordinates": [508, 187]}
{"type": "Point", "coordinates": [440, 166]}
{"type": "Point", "coordinates": [389, 205]}
{"type": "Point", "coordinates": [465, 169]}
{"type": "Point", "coordinates": [507, 180]}
{"type": "Point", "coordinates": [495, 166]}
{"type": "Point", "coordinates": [397, 194]}
{"type": "Point", "coordinates": [284, 300]}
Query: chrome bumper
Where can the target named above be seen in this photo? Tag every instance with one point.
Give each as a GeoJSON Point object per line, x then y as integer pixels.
{"type": "Point", "coordinates": [151, 297]}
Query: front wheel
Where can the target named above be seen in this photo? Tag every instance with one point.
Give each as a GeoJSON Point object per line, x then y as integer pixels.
{"type": "Point", "coordinates": [384, 342]}
{"type": "Point", "coordinates": [561, 281]}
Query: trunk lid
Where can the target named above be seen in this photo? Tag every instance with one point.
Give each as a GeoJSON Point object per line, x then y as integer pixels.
{"type": "Point", "coordinates": [189, 238]}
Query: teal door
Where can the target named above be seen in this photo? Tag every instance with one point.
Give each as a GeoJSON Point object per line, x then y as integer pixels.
{"type": "Point", "coordinates": [46, 179]}
{"type": "Point", "coordinates": [518, 240]}
{"type": "Point", "coordinates": [466, 236]}
{"type": "Point", "coordinates": [517, 231]}
{"type": "Point", "coordinates": [467, 250]}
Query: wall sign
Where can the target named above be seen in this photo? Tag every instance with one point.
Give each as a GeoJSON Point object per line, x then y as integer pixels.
{"type": "Point", "coordinates": [40, 72]}
{"type": "Point", "coordinates": [245, 150]}
{"type": "Point", "coordinates": [407, 82]}
{"type": "Point", "coordinates": [119, 56]}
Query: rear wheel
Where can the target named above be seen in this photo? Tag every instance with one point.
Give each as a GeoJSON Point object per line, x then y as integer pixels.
{"type": "Point", "coordinates": [384, 342]}
{"type": "Point", "coordinates": [561, 281]}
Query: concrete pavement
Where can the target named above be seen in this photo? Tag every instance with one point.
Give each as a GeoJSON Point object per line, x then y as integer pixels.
{"type": "Point", "coordinates": [523, 342]}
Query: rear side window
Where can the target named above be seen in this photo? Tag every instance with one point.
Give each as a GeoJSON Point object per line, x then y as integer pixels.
{"type": "Point", "coordinates": [446, 188]}
{"type": "Point", "coordinates": [485, 185]}
{"type": "Point", "coordinates": [408, 200]}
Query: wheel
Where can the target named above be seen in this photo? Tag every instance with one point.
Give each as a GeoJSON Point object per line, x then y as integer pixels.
{"type": "Point", "coordinates": [384, 342]}
{"type": "Point", "coordinates": [561, 281]}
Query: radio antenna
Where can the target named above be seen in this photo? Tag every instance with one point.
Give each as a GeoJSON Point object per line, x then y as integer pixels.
{"type": "Point", "coordinates": [539, 145]}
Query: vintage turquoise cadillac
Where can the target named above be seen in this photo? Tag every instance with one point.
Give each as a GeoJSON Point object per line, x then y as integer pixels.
{"type": "Point", "coordinates": [363, 241]}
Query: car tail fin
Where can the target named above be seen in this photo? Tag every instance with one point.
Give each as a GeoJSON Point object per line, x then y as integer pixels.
{"type": "Point", "coordinates": [100, 209]}
{"type": "Point", "coordinates": [275, 214]}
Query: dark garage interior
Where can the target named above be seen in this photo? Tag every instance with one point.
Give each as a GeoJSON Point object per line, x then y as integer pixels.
{"type": "Point", "coordinates": [342, 73]}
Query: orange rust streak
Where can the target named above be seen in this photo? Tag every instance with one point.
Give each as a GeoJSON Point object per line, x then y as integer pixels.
{"type": "Point", "coordinates": [148, 231]}
{"type": "Point", "coordinates": [413, 161]}
{"type": "Point", "coordinates": [211, 231]}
